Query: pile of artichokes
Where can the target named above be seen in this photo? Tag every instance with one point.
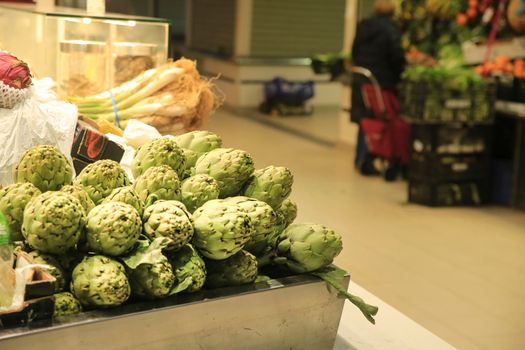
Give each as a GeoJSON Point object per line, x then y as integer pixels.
{"type": "Point", "coordinates": [196, 216]}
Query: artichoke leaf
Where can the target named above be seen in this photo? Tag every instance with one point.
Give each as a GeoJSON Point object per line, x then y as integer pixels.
{"type": "Point", "coordinates": [333, 276]}
{"type": "Point", "coordinates": [147, 252]}
{"type": "Point", "coordinates": [182, 285]}
{"type": "Point", "coordinates": [262, 278]}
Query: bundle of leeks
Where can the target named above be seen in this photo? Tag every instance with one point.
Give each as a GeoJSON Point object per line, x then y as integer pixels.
{"type": "Point", "coordinates": [172, 97]}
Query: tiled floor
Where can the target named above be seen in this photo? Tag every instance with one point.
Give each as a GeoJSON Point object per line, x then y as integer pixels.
{"type": "Point", "coordinates": [320, 127]}
{"type": "Point", "coordinates": [458, 272]}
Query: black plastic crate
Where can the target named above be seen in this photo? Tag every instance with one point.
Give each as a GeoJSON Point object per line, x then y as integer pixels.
{"type": "Point", "coordinates": [448, 194]}
{"type": "Point", "coordinates": [520, 90]}
{"type": "Point", "coordinates": [451, 138]}
{"type": "Point", "coordinates": [449, 167]}
{"type": "Point", "coordinates": [506, 88]}
{"type": "Point", "coordinates": [423, 101]}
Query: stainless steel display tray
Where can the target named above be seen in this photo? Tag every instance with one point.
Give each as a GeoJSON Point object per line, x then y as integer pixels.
{"type": "Point", "coordinates": [295, 312]}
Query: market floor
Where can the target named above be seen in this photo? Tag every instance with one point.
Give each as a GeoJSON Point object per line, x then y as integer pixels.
{"type": "Point", "coordinates": [459, 272]}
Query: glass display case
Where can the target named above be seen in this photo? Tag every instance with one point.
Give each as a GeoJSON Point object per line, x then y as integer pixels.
{"type": "Point", "coordinates": [85, 54]}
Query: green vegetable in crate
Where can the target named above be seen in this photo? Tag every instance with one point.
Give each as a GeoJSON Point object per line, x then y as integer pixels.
{"type": "Point", "coordinates": [53, 222]}
{"type": "Point", "coordinates": [288, 210]}
{"type": "Point", "coordinates": [271, 185]}
{"type": "Point", "coordinates": [307, 247]}
{"type": "Point", "coordinates": [13, 200]}
{"type": "Point", "coordinates": [151, 274]}
{"type": "Point", "coordinates": [157, 183]}
{"type": "Point", "coordinates": [230, 167]}
{"type": "Point", "coordinates": [66, 304]}
{"type": "Point", "coordinates": [56, 269]}
{"type": "Point", "coordinates": [168, 219]}
{"type": "Point", "coordinates": [113, 228]}
{"type": "Point", "coordinates": [189, 268]}
{"type": "Point", "coordinates": [126, 195]}
{"type": "Point", "coordinates": [99, 281]}
{"type": "Point", "coordinates": [163, 151]}
{"type": "Point", "coordinates": [263, 219]}
{"type": "Point", "coordinates": [221, 229]}
{"type": "Point", "coordinates": [79, 193]}
{"type": "Point", "coordinates": [45, 167]}
{"type": "Point", "coordinates": [99, 179]}
{"type": "Point", "coordinates": [238, 269]}
{"type": "Point", "coordinates": [197, 190]}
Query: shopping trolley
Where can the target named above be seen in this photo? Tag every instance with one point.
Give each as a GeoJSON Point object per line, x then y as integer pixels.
{"type": "Point", "coordinates": [386, 133]}
{"type": "Point", "coordinates": [286, 97]}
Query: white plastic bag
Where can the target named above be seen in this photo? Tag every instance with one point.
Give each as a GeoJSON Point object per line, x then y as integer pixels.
{"type": "Point", "coordinates": [129, 153]}
{"type": "Point", "coordinates": [138, 133]}
{"type": "Point", "coordinates": [40, 119]}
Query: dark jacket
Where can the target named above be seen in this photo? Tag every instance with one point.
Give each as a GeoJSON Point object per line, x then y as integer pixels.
{"type": "Point", "coordinates": [377, 46]}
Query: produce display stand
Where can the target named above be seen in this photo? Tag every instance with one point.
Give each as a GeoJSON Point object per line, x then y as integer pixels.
{"type": "Point", "coordinates": [295, 312]}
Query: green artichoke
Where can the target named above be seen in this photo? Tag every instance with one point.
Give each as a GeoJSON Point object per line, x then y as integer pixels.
{"type": "Point", "coordinates": [307, 247]}
{"type": "Point", "coordinates": [199, 141]}
{"type": "Point", "coordinates": [69, 261]}
{"type": "Point", "coordinates": [66, 304]}
{"type": "Point", "coordinates": [53, 222]}
{"type": "Point", "coordinates": [163, 151]}
{"type": "Point", "coordinates": [79, 193]}
{"type": "Point", "coordinates": [221, 229]}
{"type": "Point", "coordinates": [189, 268]}
{"type": "Point", "coordinates": [168, 219]}
{"type": "Point", "coordinates": [13, 200]}
{"type": "Point", "coordinates": [191, 158]}
{"type": "Point", "coordinates": [263, 219]}
{"type": "Point", "coordinates": [126, 195]}
{"type": "Point", "coordinates": [195, 144]}
{"type": "Point", "coordinates": [99, 179]}
{"type": "Point", "coordinates": [238, 269]}
{"type": "Point", "coordinates": [45, 167]}
{"type": "Point", "coordinates": [288, 210]}
{"type": "Point", "coordinates": [113, 228]}
{"type": "Point", "coordinates": [151, 274]}
{"type": "Point", "coordinates": [156, 183]}
{"type": "Point", "coordinates": [56, 270]}
{"type": "Point", "coordinates": [99, 281]}
{"type": "Point", "coordinates": [230, 167]}
{"type": "Point", "coordinates": [197, 190]}
{"type": "Point", "coordinates": [271, 185]}
{"type": "Point", "coordinates": [152, 280]}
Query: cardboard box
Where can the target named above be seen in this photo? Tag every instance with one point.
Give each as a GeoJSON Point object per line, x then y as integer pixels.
{"type": "Point", "coordinates": [90, 145]}
{"type": "Point", "coordinates": [39, 301]}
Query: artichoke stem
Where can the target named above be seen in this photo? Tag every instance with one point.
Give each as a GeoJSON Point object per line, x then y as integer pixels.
{"type": "Point", "coordinates": [334, 276]}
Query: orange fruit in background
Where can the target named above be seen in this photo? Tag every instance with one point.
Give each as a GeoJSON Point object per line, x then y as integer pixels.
{"type": "Point", "coordinates": [472, 13]}
{"type": "Point", "coordinates": [461, 19]}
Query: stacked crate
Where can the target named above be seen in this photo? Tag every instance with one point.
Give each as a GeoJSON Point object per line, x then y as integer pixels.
{"type": "Point", "coordinates": [451, 147]}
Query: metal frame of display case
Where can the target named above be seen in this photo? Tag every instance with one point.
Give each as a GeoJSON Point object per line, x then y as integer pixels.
{"type": "Point", "coordinates": [295, 312]}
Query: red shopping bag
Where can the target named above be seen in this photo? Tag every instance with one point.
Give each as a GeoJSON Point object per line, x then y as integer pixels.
{"type": "Point", "coordinates": [387, 134]}
{"type": "Point", "coordinates": [378, 137]}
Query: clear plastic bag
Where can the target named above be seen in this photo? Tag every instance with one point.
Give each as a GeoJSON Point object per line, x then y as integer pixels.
{"type": "Point", "coordinates": [39, 119]}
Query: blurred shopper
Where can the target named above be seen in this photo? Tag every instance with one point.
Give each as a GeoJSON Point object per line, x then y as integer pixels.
{"type": "Point", "coordinates": [377, 47]}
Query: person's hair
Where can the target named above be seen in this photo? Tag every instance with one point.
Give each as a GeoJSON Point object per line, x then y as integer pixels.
{"type": "Point", "coordinates": [384, 7]}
